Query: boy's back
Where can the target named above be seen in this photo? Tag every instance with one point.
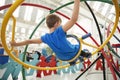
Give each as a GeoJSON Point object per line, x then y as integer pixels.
{"type": "Point", "coordinates": [58, 42]}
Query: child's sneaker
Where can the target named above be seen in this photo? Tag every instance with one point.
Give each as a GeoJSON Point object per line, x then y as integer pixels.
{"type": "Point", "coordinates": [88, 55]}
{"type": "Point", "coordinates": [81, 58]}
{"type": "Point", "coordinates": [85, 54]}
{"type": "Point", "coordinates": [72, 63]}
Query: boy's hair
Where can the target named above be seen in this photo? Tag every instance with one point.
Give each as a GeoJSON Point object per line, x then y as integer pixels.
{"type": "Point", "coordinates": [0, 44]}
{"type": "Point", "coordinates": [51, 19]}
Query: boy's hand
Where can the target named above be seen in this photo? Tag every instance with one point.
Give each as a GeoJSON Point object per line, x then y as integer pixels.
{"type": "Point", "coordinates": [12, 43]}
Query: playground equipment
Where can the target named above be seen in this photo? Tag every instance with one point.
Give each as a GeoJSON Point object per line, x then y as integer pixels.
{"type": "Point", "coordinates": [18, 2]}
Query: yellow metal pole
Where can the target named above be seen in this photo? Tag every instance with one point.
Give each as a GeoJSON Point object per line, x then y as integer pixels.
{"type": "Point", "coordinates": [9, 14]}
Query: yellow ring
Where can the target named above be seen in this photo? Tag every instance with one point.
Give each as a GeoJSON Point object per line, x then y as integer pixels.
{"type": "Point", "coordinates": [88, 44]}
{"type": "Point", "coordinates": [9, 14]}
{"type": "Point", "coordinates": [115, 2]}
{"type": "Point", "coordinates": [3, 39]}
{"type": "Point", "coordinates": [13, 30]}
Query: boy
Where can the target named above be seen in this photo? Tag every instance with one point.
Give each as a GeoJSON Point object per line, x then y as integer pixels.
{"type": "Point", "coordinates": [56, 38]}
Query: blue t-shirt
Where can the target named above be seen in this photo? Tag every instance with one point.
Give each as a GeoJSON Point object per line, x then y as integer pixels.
{"type": "Point", "coordinates": [58, 42]}
{"type": "Point", "coordinates": [1, 51]}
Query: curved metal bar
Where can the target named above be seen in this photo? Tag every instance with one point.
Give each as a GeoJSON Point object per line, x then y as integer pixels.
{"type": "Point", "coordinates": [3, 38]}
{"type": "Point", "coordinates": [13, 29]}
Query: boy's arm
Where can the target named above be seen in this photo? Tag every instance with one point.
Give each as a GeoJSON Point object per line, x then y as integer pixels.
{"type": "Point", "coordinates": [26, 42]}
{"type": "Point", "coordinates": [74, 16]}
